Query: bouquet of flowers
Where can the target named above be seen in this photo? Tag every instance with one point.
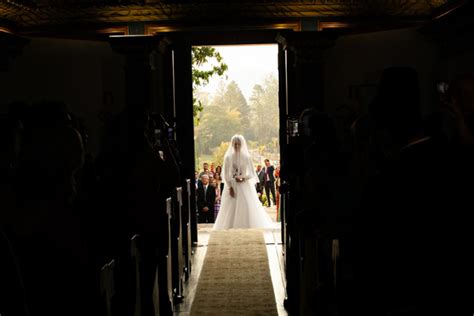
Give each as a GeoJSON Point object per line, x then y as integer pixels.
{"type": "Point", "coordinates": [237, 172]}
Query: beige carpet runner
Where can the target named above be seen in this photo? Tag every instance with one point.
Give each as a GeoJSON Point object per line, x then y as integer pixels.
{"type": "Point", "coordinates": [235, 278]}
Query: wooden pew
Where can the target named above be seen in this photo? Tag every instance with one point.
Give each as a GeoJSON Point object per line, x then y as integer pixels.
{"type": "Point", "coordinates": [156, 293]}
{"type": "Point", "coordinates": [144, 255]}
{"type": "Point", "coordinates": [307, 249]}
{"type": "Point", "coordinates": [283, 213]}
{"type": "Point", "coordinates": [169, 256]}
{"type": "Point", "coordinates": [107, 285]}
{"type": "Point", "coordinates": [318, 252]}
{"type": "Point", "coordinates": [290, 247]}
{"type": "Point", "coordinates": [187, 238]}
{"type": "Point", "coordinates": [177, 246]}
{"type": "Point", "coordinates": [162, 295]}
{"type": "Point", "coordinates": [12, 291]}
{"type": "Point", "coordinates": [136, 255]}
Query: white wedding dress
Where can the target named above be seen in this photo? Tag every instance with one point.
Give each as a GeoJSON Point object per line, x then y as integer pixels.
{"type": "Point", "coordinates": [244, 210]}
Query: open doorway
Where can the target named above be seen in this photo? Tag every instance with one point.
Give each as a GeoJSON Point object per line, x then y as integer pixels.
{"type": "Point", "coordinates": [235, 91]}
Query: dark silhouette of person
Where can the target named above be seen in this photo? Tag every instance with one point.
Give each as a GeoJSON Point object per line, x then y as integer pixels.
{"type": "Point", "coordinates": [457, 262]}
{"type": "Point", "coordinates": [397, 228]}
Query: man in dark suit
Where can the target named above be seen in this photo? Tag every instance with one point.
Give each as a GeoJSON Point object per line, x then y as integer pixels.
{"type": "Point", "coordinates": [206, 197]}
{"type": "Point", "coordinates": [269, 181]}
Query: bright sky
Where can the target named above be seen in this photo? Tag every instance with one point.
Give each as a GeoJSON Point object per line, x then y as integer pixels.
{"type": "Point", "coordinates": [248, 66]}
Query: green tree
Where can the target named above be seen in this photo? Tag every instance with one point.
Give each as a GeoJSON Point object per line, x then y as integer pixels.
{"type": "Point", "coordinates": [218, 99]}
{"type": "Point", "coordinates": [258, 111]}
{"type": "Point", "coordinates": [217, 125]}
{"type": "Point", "coordinates": [235, 100]}
{"type": "Point", "coordinates": [264, 108]}
{"type": "Point", "coordinates": [201, 57]}
{"type": "Point", "coordinates": [219, 153]}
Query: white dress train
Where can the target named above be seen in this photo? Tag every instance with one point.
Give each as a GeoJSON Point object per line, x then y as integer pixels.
{"type": "Point", "coordinates": [244, 210]}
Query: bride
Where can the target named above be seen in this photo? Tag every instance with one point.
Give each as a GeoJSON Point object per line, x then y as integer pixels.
{"type": "Point", "coordinates": [240, 206]}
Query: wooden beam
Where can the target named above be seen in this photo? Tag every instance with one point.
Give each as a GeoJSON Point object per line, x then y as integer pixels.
{"type": "Point", "coordinates": [448, 9]}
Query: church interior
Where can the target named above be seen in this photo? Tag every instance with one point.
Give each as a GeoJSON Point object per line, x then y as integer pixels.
{"type": "Point", "coordinates": [97, 174]}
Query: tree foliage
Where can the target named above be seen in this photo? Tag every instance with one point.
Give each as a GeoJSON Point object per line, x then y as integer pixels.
{"type": "Point", "coordinates": [229, 114]}
{"type": "Point", "coordinates": [264, 110]}
{"type": "Point", "coordinates": [219, 152]}
{"type": "Point", "coordinates": [202, 56]}
{"type": "Point", "coordinates": [227, 111]}
{"type": "Point", "coordinates": [217, 126]}
{"type": "Point", "coordinates": [235, 100]}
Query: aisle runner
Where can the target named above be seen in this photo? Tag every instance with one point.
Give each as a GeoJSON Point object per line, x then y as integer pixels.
{"type": "Point", "coordinates": [235, 278]}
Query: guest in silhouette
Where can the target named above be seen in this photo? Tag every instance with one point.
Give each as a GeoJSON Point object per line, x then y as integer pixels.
{"type": "Point", "coordinates": [461, 104]}
{"type": "Point", "coordinates": [52, 153]}
{"type": "Point", "coordinates": [456, 222]}
{"type": "Point", "coordinates": [411, 183]}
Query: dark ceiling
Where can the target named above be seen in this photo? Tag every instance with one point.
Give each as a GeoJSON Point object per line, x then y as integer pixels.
{"type": "Point", "coordinates": [27, 15]}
